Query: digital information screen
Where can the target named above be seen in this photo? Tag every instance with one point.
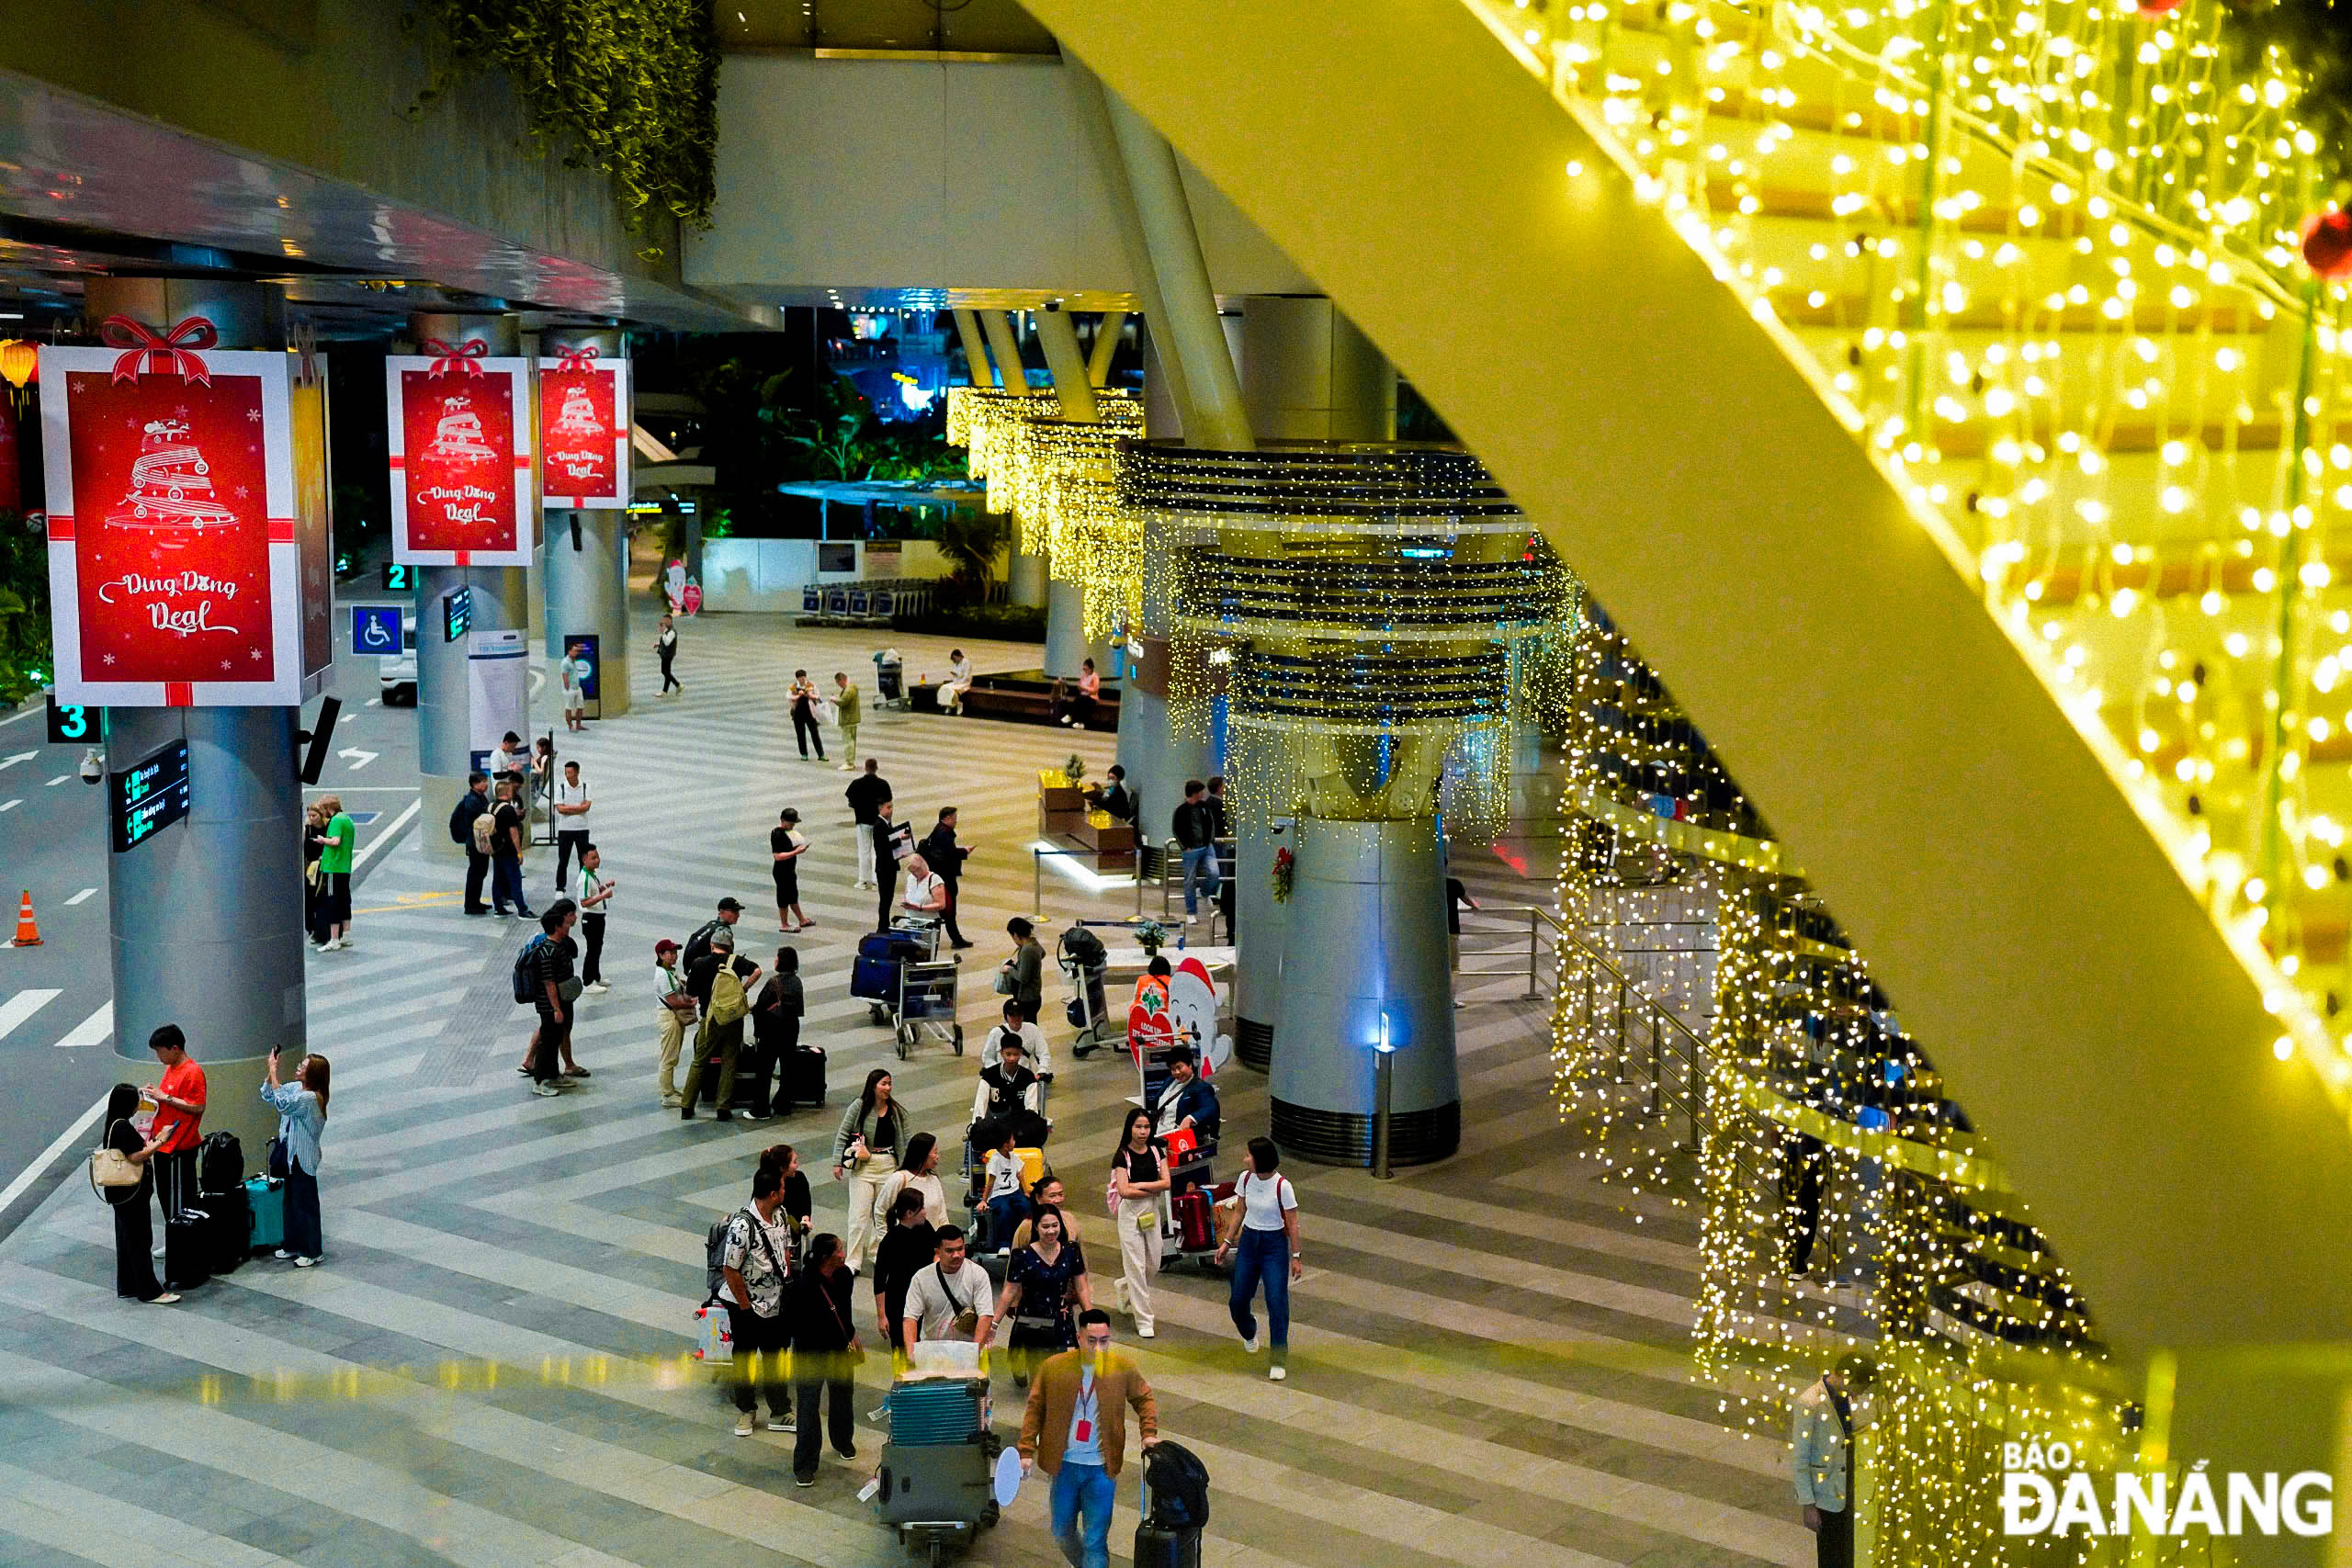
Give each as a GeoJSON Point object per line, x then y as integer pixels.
{"type": "Point", "coordinates": [149, 797]}
{"type": "Point", "coordinates": [458, 612]}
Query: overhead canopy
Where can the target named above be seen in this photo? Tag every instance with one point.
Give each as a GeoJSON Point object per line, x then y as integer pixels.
{"type": "Point", "coordinates": [889, 493]}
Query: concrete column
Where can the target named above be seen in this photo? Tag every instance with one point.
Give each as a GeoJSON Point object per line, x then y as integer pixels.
{"type": "Point", "coordinates": [975, 348]}
{"type": "Point", "coordinates": [1158, 760]}
{"type": "Point", "coordinates": [1374, 894]}
{"type": "Point", "coordinates": [1106, 347]}
{"type": "Point", "coordinates": [1262, 926]}
{"type": "Point", "coordinates": [1308, 374]}
{"type": "Point", "coordinates": [501, 601]}
{"type": "Point", "coordinates": [587, 560]}
{"type": "Point", "coordinates": [1024, 577]}
{"type": "Point", "coordinates": [204, 922]}
{"type": "Point", "coordinates": [1067, 364]}
{"type": "Point", "coordinates": [1005, 348]}
{"type": "Point", "coordinates": [1192, 332]}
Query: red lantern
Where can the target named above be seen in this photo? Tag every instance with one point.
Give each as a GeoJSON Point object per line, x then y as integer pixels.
{"type": "Point", "coordinates": [2328, 243]}
{"type": "Point", "coordinates": [2157, 8]}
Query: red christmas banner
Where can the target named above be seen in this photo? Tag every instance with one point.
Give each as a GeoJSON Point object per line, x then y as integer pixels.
{"type": "Point", "coordinates": [585, 415]}
{"type": "Point", "coordinates": [174, 575]}
{"type": "Point", "coordinates": [461, 430]}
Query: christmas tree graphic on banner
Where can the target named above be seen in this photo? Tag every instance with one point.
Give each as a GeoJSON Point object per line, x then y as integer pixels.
{"type": "Point", "coordinates": [171, 484]}
{"type": "Point", "coordinates": [459, 435]}
{"type": "Point", "coordinates": [579, 415]}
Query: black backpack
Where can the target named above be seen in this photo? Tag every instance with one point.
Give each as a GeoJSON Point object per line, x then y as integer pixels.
{"type": "Point", "coordinates": [713, 1258]}
{"type": "Point", "coordinates": [1178, 1484]}
{"type": "Point", "coordinates": [461, 824]}
{"type": "Point", "coordinates": [1082, 947]}
{"type": "Point", "coordinates": [221, 1164]}
{"type": "Point", "coordinates": [527, 988]}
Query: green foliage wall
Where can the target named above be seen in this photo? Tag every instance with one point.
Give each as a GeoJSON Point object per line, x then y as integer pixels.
{"type": "Point", "coordinates": [628, 86]}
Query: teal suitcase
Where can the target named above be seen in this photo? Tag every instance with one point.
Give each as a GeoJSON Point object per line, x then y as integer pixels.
{"type": "Point", "coordinates": [266, 1201]}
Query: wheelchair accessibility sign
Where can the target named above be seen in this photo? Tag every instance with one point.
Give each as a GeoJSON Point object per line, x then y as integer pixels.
{"type": "Point", "coordinates": [375, 629]}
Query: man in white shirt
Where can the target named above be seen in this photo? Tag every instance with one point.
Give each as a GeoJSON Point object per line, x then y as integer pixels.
{"type": "Point", "coordinates": [572, 669]}
{"type": "Point", "coordinates": [571, 804]}
{"type": "Point", "coordinates": [953, 1290]}
{"type": "Point", "coordinates": [595, 896]}
{"type": "Point", "coordinates": [1018, 1026]}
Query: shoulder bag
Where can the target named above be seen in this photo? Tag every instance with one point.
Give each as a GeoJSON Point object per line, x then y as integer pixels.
{"type": "Point", "coordinates": [111, 1167]}
{"type": "Point", "coordinates": [967, 1319]}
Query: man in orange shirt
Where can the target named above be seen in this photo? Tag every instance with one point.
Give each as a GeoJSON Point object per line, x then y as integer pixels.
{"type": "Point", "coordinates": [179, 1119]}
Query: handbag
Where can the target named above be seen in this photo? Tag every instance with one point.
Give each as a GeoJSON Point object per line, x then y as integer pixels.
{"type": "Point", "coordinates": [1005, 984]}
{"type": "Point", "coordinates": [967, 1319]}
{"type": "Point", "coordinates": [111, 1167]}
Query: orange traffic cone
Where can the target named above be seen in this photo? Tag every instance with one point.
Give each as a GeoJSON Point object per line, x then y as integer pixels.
{"type": "Point", "coordinates": [28, 933]}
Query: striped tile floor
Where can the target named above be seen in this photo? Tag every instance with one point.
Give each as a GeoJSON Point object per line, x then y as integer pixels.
{"type": "Point", "coordinates": [1488, 1357]}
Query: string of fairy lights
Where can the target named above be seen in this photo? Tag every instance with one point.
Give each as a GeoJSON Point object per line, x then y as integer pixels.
{"type": "Point", "coordinates": [1053, 476]}
{"type": "Point", "coordinates": [2075, 273]}
{"type": "Point", "coordinates": [1361, 610]}
{"type": "Point", "coordinates": [1844, 1202]}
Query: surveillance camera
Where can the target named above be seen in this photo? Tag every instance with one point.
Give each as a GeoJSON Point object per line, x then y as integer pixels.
{"type": "Point", "coordinates": [93, 767]}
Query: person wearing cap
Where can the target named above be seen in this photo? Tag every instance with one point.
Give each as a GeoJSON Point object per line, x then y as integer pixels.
{"type": "Point", "coordinates": [787, 844]}
{"type": "Point", "coordinates": [678, 1010]}
{"type": "Point", "coordinates": [726, 982]}
{"type": "Point", "coordinates": [698, 944]}
{"type": "Point", "coordinates": [1822, 1436]}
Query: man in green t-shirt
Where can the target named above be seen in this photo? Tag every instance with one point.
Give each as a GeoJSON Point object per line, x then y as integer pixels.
{"type": "Point", "coordinates": [334, 874]}
{"type": "Point", "coordinates": [848, 703]}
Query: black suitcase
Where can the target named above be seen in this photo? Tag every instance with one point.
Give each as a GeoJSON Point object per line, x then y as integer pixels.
{"type": "Point", "coordinates": [188, 1250]}
{"type": "Point", "coordinates": [803, 1080]}
{"type": "Point", "coordinates": [230, 1229]}
{"type": "Point", "coordinates": [1157, 1548]}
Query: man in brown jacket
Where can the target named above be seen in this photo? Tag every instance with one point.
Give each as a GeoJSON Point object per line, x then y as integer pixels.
{"type": "Point", "coordinates": [1076, 1429]}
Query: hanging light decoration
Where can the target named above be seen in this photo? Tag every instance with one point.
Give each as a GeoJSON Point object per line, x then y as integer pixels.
{"type": "Point", "coordinates": [19, 362]}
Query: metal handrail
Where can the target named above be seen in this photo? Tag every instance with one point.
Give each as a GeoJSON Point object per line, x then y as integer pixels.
{"type": "Point", "coordinates": [1537, 917]}
{"type": "Point", "coordinates": [1663, 1023]}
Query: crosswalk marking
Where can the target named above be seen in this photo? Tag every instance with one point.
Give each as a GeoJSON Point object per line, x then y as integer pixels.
{"type": "Point", "coordinates": [58, 780]}
{"type": "Point", "coordinates": [10, 805]}
{"type": "Point", "coordinates": [22, 1005]}
{"type": "Point", "coordinates": [79, 896]}
{"type": "Point", "coordinates": [95, 1029]}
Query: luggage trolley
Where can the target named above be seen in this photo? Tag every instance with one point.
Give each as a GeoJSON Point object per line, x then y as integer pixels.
{"type": "Point", "coordinates": [933, 1486]}
{"type": "Point", "coordinates": [927, 1003]}
{"type": "Point", "coordinates": [1080, 956]}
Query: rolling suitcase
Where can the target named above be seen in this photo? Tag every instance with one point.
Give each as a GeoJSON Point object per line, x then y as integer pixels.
{"type": "Point", "coordinates": [1193, 1221]}
{"type": "Point", "coordinates": [1158, 1548]}
{"type": "Point", "coordinates": [803, 1078]}
{"type": "Point", "coordinates": [186, 1246]}
{"type": "Point", "coordinates": [873, 979]}
{"type": "Point", "coordinates": [228, 1229]}
{"type": "Point", "coordinates": [264, 1213]}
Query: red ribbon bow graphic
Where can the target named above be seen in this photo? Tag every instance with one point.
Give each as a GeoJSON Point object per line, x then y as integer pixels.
{"type": "Point", "coordinates": [458, 357]}
{"type": "Point", "coordinates": [168, 354]}
{"type": "Point", "coordinates": [578, 358]}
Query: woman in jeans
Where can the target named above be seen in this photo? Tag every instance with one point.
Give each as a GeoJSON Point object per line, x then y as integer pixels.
{"type": "Point", "coordinates": [1138, 1176]}
{"type": "Point", "coordinates": [865, 1150]}
{"type": "Point", "coordinates": [302, 1109]}
{"type": "Point", "coordinates": [1268, 1245]}
{"type": "Point", "coordinates": [134, 1227]}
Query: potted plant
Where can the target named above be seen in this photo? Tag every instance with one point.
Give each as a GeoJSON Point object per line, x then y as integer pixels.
{"type": "Point", "coordinates": [1151, 936]}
